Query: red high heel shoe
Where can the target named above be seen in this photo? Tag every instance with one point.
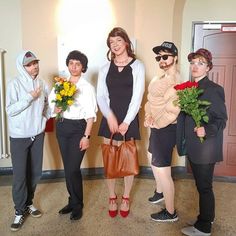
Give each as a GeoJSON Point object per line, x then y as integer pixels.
{"type": "Point", "coordinates": [125, 200]}
{"type": "Point", "coordinates": [113, 213]}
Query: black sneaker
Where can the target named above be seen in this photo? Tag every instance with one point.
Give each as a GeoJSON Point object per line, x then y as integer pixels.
{"type": "Point", "coordinates": [157, 197]}
{"type": "Point", "coordinates": [17, 223]}
{"type": "Point", "coordinates": [164, 216]}
{"type": "Point", "coordinates": [34, 211]}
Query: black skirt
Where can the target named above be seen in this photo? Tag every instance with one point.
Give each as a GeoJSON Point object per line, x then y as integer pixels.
{"type": "Point", "coordinates": [133, 130]}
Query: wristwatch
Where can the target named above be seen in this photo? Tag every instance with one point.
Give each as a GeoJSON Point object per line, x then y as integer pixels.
{"type": "Point", "coordinates": [86, 136]}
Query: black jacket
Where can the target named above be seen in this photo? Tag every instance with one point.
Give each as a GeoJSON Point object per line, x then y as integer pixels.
{"type": "Point", "coordinates": [211, 150]}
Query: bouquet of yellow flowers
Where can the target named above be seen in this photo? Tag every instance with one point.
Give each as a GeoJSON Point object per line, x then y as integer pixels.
{"type": "Point", "coordinates": [189, 103]}
{"type": "Point", "coordinates": [65, 91]}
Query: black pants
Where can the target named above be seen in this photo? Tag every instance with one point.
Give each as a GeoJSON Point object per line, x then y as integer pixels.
{"type": "Point", "coordinates": [203, 174]}
{"type": "Point", "coordinates": [69, 134]}
{"type": "Point", "coordinates": [27, 156]}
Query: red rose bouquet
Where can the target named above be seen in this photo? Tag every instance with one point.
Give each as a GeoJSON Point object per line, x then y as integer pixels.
{"type": "Point", "coordinates": [189, 103]}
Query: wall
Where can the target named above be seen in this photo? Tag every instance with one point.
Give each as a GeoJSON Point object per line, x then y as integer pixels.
{"type": "Point", "coordinates": [10, 40]}
{"type": "Point", "coordinates": [11, 32]}
{"type": "Point", "coordinates": [148, 22]}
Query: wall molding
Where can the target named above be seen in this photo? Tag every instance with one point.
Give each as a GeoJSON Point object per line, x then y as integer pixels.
{"type": "Point", "coordinates": [178, 172]}
{"type": "Point", "coordinates": [94, 173]}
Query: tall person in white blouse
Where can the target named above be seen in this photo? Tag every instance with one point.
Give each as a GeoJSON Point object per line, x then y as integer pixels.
{"type": "Point", "coordinates": [73, 131]}
{"type": "Point", "coordinates": [120, 88]}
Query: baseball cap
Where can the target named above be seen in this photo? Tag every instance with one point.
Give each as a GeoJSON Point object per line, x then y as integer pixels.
{"type": "Point", "coordinates": [166, 46]}
{"type": "Point", "coordinates": [203, 53]}
{"type": "Point", "coordinates": [28, 58]}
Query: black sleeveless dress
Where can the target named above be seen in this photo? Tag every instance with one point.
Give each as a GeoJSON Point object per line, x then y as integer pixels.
{"type": "Point", "coordinates": [120, 89]}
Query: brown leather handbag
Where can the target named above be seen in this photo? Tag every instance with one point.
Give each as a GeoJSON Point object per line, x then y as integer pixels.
{"type": "Point", "coordinates": [120, 161]}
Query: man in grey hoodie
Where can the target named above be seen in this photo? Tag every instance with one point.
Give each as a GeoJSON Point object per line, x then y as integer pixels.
{"type": "Point", "coordinates": [27, 111]}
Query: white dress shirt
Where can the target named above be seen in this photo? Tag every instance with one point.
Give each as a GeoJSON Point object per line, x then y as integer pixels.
{"type": "Point", "coordinates": [84, 106]}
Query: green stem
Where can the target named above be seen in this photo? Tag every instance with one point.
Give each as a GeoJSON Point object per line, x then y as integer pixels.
{"type": "Point", "coordinates": [58, 116]}
{"type": "Point", "coordinates": [199, 125]}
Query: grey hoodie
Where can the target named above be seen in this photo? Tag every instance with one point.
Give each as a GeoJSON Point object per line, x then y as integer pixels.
{"type": "Point", "coordinates": [26, 116]}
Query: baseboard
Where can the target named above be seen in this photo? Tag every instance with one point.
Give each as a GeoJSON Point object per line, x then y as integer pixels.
{"type": "Point", "coordinates": [178, 172]}
{"type": "Point", "coordinates": [91, 173]}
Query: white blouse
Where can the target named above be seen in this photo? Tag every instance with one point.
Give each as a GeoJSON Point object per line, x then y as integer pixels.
{"type": "Point", "coordinates": [84, 106]}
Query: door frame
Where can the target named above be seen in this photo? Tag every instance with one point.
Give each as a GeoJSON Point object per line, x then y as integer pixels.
{"type": "Point", "coordinates": [209, 25]}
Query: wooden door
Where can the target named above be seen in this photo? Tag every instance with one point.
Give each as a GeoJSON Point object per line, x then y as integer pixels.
{"type": "Point", "coordinates": [223, 48]}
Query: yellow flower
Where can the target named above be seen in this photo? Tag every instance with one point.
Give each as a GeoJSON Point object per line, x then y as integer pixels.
{"type": "Point", "coordinates": [62, 92]}
{"type": "Point", "coordinates": [66, 85]}
{"type": "Point", "coordinates": [73, 88]}
{"type": "Point", "coordinates": [58, 97]}
{"type": "Point", "coordinates": [70, 102]}
{"type": "Point", "coordinates": [70, 93]}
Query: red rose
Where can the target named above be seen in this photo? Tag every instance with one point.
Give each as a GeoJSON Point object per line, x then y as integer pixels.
{"type": "Point", "coordinates": [185, 85]}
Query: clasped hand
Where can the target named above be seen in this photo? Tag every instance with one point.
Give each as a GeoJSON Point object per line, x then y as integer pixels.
{"type": "Point", "coordinates": [114, 127]}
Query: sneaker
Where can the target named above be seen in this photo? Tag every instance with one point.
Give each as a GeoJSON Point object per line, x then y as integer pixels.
{"type": "Point", "coordinates": [157, 197]}
{"type": "Point", "coordinates": [192, 222]}
{"type": "Point", "coordinates": [192, 231]}
{"type": "Point", "coordinates": [17, 223]}
{"type": "Point", "coordinates": [34, 211]}
{"type": "Point", "coordinates": [164, 216]}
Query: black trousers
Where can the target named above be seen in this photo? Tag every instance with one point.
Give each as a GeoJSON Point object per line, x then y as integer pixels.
{"type": "Point", "coordinates": [69, 134]}
{"type": "Point", "coordinates": [203, 175]}
{"type": "Point", "coordinates": [27, 157]}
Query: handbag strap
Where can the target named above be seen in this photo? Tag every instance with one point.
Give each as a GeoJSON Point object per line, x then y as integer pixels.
{"type": "Point", "coordinates": [124, 138]}
{"type": "Point", "coordinates": [111, 139]}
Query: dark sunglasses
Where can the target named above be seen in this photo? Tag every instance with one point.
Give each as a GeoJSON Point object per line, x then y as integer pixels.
{"type": "Point", "coordinates": [164, 57]}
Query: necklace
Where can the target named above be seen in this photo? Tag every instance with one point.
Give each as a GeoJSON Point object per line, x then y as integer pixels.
{"type": "Point", "coordinates": [121, 63]}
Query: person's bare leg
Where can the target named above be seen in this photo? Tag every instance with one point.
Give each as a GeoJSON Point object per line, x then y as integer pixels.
{"type": "Point", "coordinates": [158, 184]}
{"type": "Point", "coordinates": [167, 185]}
{"type": "Point", "coordinates": [128, 181]}
{"type": "Point", "coordinates": [112, 194]}
{"type": "Point", "coordinates": [154, 171]}
{"type": "Point", "coordinates": [111, 185]}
